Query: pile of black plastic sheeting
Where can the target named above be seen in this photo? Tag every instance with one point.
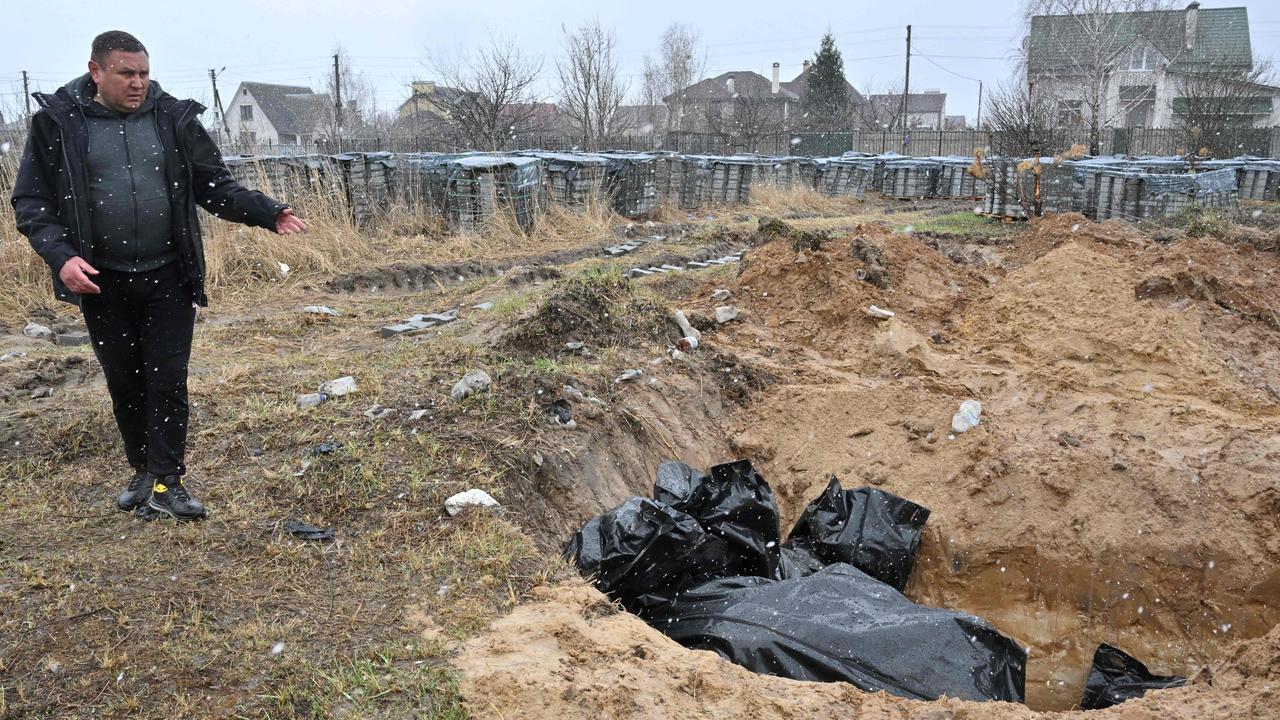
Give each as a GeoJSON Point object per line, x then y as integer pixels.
{"type": "Point", "coordinates": [704, 563]}
{"type": "Point", "coordinates": [1116, 676]}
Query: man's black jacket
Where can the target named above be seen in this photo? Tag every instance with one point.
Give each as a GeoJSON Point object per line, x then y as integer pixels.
{"type": "Point", "coordinates": [50, 197]}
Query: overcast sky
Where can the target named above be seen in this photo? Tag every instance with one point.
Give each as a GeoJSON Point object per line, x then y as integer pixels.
{"type": "Point", "coordinates": [291, 41]}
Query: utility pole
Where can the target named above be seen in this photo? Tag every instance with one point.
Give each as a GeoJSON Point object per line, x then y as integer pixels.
{"type": "Point", "coordinates": [337, 101]}
{"type": "Point", "coordinates": [217, 102]}
{"type": "Point", "coordinates": [26, 92]}
{"type": "Point", "coordinates": [906, 93]}
{"type": "Point", "coordinates": [977, 125]}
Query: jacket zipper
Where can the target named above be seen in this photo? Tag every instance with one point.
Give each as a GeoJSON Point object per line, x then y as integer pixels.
{"type": "Point", "coordinates": [133, 190]}
{"type": "Point", "coordinates": [71, 185]}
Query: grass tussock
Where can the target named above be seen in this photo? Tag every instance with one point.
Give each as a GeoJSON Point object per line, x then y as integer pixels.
{"type": "Point", "coordinates": [772, 200]}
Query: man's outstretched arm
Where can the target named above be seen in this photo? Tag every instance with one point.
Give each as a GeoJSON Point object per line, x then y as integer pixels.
{"type": "Point", "coordinates": [221, 195]}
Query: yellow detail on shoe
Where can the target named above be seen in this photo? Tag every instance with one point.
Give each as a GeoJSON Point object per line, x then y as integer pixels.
{"type": "Point", "coordinates": [160, 487]}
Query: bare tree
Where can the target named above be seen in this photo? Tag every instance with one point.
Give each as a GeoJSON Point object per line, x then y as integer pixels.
{"type": "Point", "coordinates": [652, 90]}
{"type": "Point", "coordinates": [882, 106]}
{"type": "Point", "coordinates": [1217, 103]}
{"type": "Point", "coordinates": [1075, 53]}
{"type": "Point", "coordinates": [743, 120]}
{"type": "Point", "coordinates": [497, 97]}
{"type": "Point", "coordinates": [591, 85]}
{"type": "Point", "coordinates": [683, 63]}
{"type": "Point", "coordinates": [1020, 120]}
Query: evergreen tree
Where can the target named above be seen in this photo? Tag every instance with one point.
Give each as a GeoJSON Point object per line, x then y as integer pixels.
{"type": "Point", "coordinates": [827, 101]}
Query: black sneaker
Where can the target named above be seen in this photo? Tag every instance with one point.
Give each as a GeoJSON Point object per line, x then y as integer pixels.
{"type": "Point", "coordinates": [137, 493]}
{"type": "Point", "coordinates": [172, 499]}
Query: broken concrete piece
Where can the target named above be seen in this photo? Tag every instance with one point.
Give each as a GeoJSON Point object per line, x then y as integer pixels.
{"type": "Point", "coordinates": [697, 265]}
{"type": "Point", "coordinates": [628, 375]}
{"type": "Point", "coordinates": [483, 306]}
{"type": "Point", "coordinates": [320, 310]}
{"type": "Point", "coordinates": [721, 295]}
{"type": "Point", "coordinates": [337, 388]}
{"type": "Point", "coordinates": [469, 499]}
{"type": "Point", "coordinates": [377, 412]}
{"type": "Point", "coordinates": [573, 394]}
{"type": "Point", "coordinates": [685, 327]}
{"type": "Point", "coordinates": [576, 347]}
{"type": "Point", "coordinates": [36, 330]}
{"type": "Point", "coordinates": [473, 382]}
{"type": "Point", "coordinates": [726, 313]}
{"type": "Point", "coordinates": [42, 392]}
{"type": "Point", "coordinates": [672, 268]}
{"type": "Point", "coordinates": [638, 272]}
{"type": "Point", "coordinates": [397, 329]}
{"type": "Point", "coordinates": [881, 313]}
{"type": "Point", "coordinates": [311, 400]}
{"type": "Point", "coordinates": [418, 414]}
{"type": "Point", "coordinates": [434, 318]}
{"type": "Point", "coordinates": [71, 339]}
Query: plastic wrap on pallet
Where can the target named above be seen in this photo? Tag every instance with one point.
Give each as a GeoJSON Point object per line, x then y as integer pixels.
{"type": "Point", "coordinates": [482, 186]}
{"type": "Point", "coordinates": [572, 179]}
{"type": "Point", "coordinates": [1259, 179]}
{"type": "Point", "coordinates": [631, 182]}
{"type": "Point", "coordinates": [844, 177]}
{"type": "Point", "coordinates": [914, 178]}
{"type": "Point", "coordinates": [367, 178]}
{"type": "Point", "coordinates": [1217, 188]}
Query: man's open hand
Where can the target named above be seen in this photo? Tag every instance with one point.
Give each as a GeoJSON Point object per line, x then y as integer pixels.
{"type": "Point", "coordinates": [75, 275]}
{"type": "Point", "coordinates": [289, 224]}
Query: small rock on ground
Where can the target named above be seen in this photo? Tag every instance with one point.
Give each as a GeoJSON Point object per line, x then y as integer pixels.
{"type": "Point", "coordinates": [471, 498]}
{"type": "Point", "coordinates": [726, 313]}
{"type": "Point", "coordinates": [473, 382]}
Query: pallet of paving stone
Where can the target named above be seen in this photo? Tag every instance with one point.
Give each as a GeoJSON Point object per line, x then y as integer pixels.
{"type": "Point", "coordinates": [367, 180]}
{"type": "Point", "coordinates": [631, 183]}
{"type": "Point", "coordinates": [484, 187]}
{"type": "Point", "coordinates": [1260, 180]}
{"type": "Point", "coordinates": [909, 179]}
{"type": "Point", "coordinates": [573, 180]}
{"type": "Point", "coordinates": [836, 177]}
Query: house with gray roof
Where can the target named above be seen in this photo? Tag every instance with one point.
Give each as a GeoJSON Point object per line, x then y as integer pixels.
{"type": "Point", "coordinates": [282, 117]}
{"type": "Point", "coordinates": [926, 110]}
{"type": "Point", "coordinates": [1147, 61]}
{"type": "Point", "coordinates": [772, 102]}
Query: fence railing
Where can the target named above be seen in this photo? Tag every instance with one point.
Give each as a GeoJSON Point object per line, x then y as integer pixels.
{"type": "Point", "coordinates": [1264, 142]}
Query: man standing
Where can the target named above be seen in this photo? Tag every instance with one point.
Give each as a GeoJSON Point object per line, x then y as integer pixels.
{"type": "Point", "coordinates": [107, 193]}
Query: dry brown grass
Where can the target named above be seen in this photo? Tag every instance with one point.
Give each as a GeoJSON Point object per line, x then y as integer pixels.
{"type": "Point", "coordinates": [772, 200]}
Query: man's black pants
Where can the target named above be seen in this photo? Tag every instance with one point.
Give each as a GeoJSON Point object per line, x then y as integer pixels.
{"type": "Point", "coordinates": [141, 327]}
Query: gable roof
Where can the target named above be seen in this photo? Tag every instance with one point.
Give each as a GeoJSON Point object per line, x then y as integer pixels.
{"type": "Point", "coordinates": [745, 83]}
{"type": "Point", "coordinates": [931, 102]}
{"type": "Point", "coordinates": [292, 109]}
{"type": "Point", "coordinates": [1221, 38]}
{"type": "Point", "coordinates": [800, 86]}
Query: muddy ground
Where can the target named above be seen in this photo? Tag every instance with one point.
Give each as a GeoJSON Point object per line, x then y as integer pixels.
{"type": "Point", "coordinates": [1121, 488]}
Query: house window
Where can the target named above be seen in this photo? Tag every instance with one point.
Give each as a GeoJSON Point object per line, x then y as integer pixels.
{"type": "Point", "coordinates": [1139, 105]}
{"type": "Point", "coordinates": [1143, 57]}
{"type": "Point", "coordinates": [246, 112]}
{"type": "Point", "coordinates": [1070, 113]}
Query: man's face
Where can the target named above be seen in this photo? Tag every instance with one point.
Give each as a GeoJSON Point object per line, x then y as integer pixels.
{"type": "Point", "coordinates": [122, 79]}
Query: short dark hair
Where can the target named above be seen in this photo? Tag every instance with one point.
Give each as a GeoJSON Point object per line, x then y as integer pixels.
{"type": "Point", "coordinates": [114, 40]}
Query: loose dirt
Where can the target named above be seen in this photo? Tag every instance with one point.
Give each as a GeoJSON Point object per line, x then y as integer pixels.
{"type": "Point", "coordinates": [1121, 488]}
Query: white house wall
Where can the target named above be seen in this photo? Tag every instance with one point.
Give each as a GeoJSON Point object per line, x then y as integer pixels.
{"type": "Point", "coordinates": [264, 131]}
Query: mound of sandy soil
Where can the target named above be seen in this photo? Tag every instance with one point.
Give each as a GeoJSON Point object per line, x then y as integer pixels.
{"type": "Point", "coordinates": [571, 654]}
{"type": "Point", "coordinates": [1123, 487]}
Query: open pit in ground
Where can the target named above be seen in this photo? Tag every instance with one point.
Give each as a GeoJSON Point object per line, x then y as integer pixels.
{"type": "Point", "coordinates": [1122, 487]}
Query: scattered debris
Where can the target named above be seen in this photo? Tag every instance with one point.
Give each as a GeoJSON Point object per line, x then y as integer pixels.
{"type": "Point", "coordinates": [38, 331]}
{"type": "Point", "coordinates": [721, 295]}
{"type": "Point", "coordinates": [1066, 439]}
{"type": "Point", "coordinates": [880, 313]}
{"type": "Point", "coordinates": [43, 391]}
{"type": "Point", "coordinates": [325, 448]}
{"type": "Point", "coordinates": [10, 355]}
{"type": "Point", "coordinates": [471, 498]}
{"type": "Point", "coordinates": [486, 305]}
{"type": "Point", "coordinates": [418, 414]}
{"type": "Point", "coordinates": [685, 328]}
{"type": "Point", "coordinates": [576, 347]}
{"type": "Point", "coordinates": [306, 532]}
{"type": "Point", "coordinates": [560, 414]}
{"type": "Point", "coordinates": [628, 375]}
{"type": "Point", "coordinates": [968, 418]}
{"type": "Point", "coordinates": [72, 339]}
{"type": "Point", "coordinates": [377, 412]}
{"type": "Point", "coordinates": [687, 344]}
{"type": "Point", "coordinates": [473, 382]}
{"type": "Point", "coordinates": [310, 400]}
{"type": "Point", "coordinates": [337, 388]}
{"type": "Point", "coordinates": [320, 310]}
{"type": "Point", "coordinates": [726, 313]}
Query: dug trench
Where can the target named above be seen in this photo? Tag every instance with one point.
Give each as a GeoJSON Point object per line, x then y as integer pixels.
{"type": "Point", "coordinates": [1121, 487]}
